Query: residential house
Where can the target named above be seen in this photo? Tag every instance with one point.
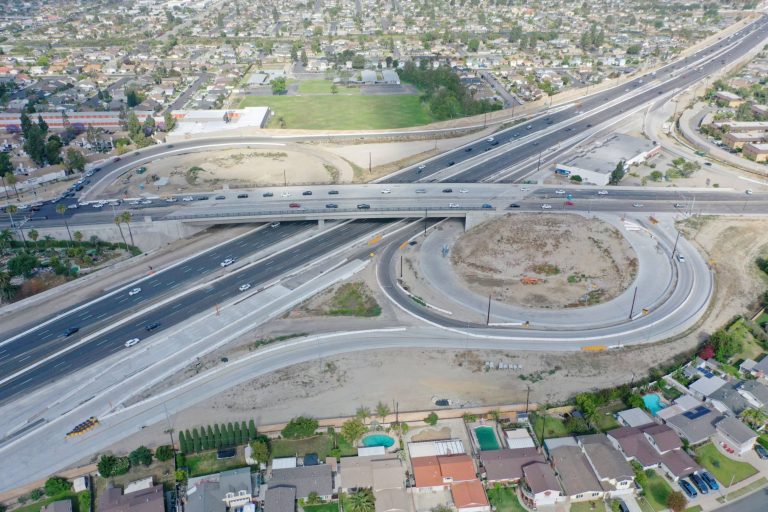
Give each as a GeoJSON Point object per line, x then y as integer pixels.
{"type": "Point", "coordinates": [756, 393]}
{"type": "Point", "coordinates": [469, 496]}
{"type": "Point", "coordinates": [696, 425]}
{"type": "Point", "coordinates": [759, 369]}
{"type": "Point", "coordinates": [218, 492]}
{"type": "Point", "coordinates": [383, 474]}
{"type": "Point", "coordinates": [736, 434]}
{"type": "Point", "coordinates": [507, 465]}
{"type": "Point", "coordinates": [608, 464]}
{"type": "Point", "coordinates": [634, 417]}
{"type": "Point", "coordinates": [143, 500]}
{"type": "Point", "coordinates": [280, 499]}
{"type": "Point", "coordinates": [576, 476]}
{"type": "Point", "coordinates": [736, 140]}
{"type": "Point", "coordinates": [705, 386]}
{"type": "Point", "coordinates": [305, 479]}
{"type": "Point", "coordinates": [654, 446]}
{"type": "Point", "coordinates": [539, 485]}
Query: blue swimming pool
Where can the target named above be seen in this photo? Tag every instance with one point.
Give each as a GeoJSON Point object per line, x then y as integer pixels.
{"type": "Point", "coordinates": [378, 440]}
{"type": "Point", "coordinates": [653, 403]}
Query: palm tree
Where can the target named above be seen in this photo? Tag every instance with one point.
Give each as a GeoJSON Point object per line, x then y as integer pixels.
{"type": "Point", "coordinates": [11, 210]}
{"type": "Point", "coordinates": [61, 210]}
{"type": "Point", "coordinates": [6, 236]}
{"type": "Point", "coordinates": [78, 236]}
{"type": "Point", "coordinates": [382, 410]}
{"type": "Point", "coordinates": [126, 217]}
{"type": "Point", "coordinates": [363, 413]}
{"type": "Point", "coordinates": [118, 220]}
{"type": "Point", "coordinates": [360, 501]}
{"type": "Point", "coordinates": [6, 290]}
{"type": "Point", "coordinates": [755, 417]}
{"type": "Point", "coordinates": [5, 188]}
{"type": "Point", "coordinates": [33, 235]}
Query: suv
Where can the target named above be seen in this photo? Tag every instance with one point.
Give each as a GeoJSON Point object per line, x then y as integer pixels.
{"type": "Point", "coordinates": [152, 326]}
{"type": "Point", "coordinates": [699, 483]}
{"type": "Point", "coordinates": [70, 331]}
{"type": "Point", "coordinates": [709, 479]}
{"type": "Point", "coordinates": [688, 488]}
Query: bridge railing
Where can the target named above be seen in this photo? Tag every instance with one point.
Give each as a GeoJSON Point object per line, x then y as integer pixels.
{"type": "Point", "coordinates": [310, 211]}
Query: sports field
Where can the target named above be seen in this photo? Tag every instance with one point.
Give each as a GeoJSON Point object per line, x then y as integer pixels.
{"type": "Point", "coordinates": [324, 87]}
{"type": "Point", "coordinates": [342, 112]}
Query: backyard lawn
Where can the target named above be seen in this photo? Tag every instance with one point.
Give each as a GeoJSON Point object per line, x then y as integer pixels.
{"type": "Point", "coordinates": [555, 427]}
{"type": "Point", "coordinates": [321, 445]}
{"type": "Point", "coordinates": [343, 112]}
{"type": "Point", "coordinates": [36, 506]}
{"type": "Point", "coordinates": [206, 463]}
{"type": "Point", "coordinates": [750, 347]}
{"type": "Point", "coordinates": [323, 507]}
{"type": "Point", "coordinates": [723, 468]}
{"type": "Point", "coordinates": [504, 499]}
{"type": "Point", "coordinates": [324, 87]}
{"type": "Point", "coordinates": [588, 506]}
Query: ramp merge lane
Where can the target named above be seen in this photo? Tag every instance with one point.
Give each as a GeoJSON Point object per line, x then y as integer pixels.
{"type": "Point", "coordinates": [195, 302]}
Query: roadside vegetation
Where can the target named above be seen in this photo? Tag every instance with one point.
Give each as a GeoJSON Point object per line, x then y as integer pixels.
{"type": "Point", "coordinates": [56, 489]}
{"type": "Point", "coordinates": [32, 265]}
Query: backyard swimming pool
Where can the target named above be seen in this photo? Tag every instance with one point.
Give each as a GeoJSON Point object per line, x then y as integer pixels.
{"type": "Point", "coordinates": [486, 438]}
{"type": "Point", "coordinates": [378, 440]}
{"type": "Point", "coordinates": [653, 403]}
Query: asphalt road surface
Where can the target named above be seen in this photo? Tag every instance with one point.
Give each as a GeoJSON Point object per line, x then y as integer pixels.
{"type": "Point", "coordinates": [34, 346]}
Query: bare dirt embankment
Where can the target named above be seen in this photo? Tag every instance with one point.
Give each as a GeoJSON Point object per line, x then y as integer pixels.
{"type": "Point", "coordinates": [545, 261]}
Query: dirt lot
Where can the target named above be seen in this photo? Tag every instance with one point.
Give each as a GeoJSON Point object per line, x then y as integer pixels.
{"type": "Point", "coordinates": [568, 260]}
{"type": "Point", "coordinates": [235, 167]}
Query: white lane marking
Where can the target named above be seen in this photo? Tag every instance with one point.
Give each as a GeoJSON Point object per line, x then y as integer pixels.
{"type": "Point", "coordinates": [177, 306]}
{"type": "Point", "coordinates": [101, 316]}
{"type": "Point", "coordinates": [86, 317]}
{"type": "Point", "coordinates": [25, 358]}
{"type": "Point", "coordinates": [102, 342]}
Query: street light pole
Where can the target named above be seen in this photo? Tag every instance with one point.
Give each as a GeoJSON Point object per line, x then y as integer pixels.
{"type": "Point", "coordinates": [632, 307]}
{"type": "Point", "coordinates": [674, 248]}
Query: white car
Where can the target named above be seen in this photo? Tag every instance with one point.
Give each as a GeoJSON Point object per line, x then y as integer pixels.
{"type": "Point", "coordinates": [453, 205]}
{"type": "Point", "coordinates": [171, 200]}
{"type": "Point", "coordinates": [463, 191]}
{"type": "Point", "coordinates": [135, 203]}
{"type": "Point", "coordinates": [422, 167]}
{"type": "Point", "coordinates": [638, 205]}
{"type": "Point", "coordinates": [386, 191]}
{"type": "Point", "coordinates": [546, 206]}
{"type": "Point", "coordinates": [524, 189]}
{"type": "Point", "coordinates": [187, 199]}
{"type": "Point", "coordinates": [749, 191]}
{"type": "Point", "coordinates": [97, 205]}
{"type": "Point", "coordinates": [285, 194]}
{"type": "Point", "coordinates": [681, 258]}
{"type": "Point", "coordinates": [245, 287]}
{"type": "Point", "coordinates": [132, 342]}
{"type": "Point", "coordinates": [421, 191]}
{"type": "Point", "coordinates": [560, 192]}
{"type": "Point", "coordinates": [146, 201]}
{"type": "Point", "coordinates": [227, 262]}
{"type": "Point", "coordinates": [489, 139]}
{"type": "Point", "coordinates": [602, 192]}
{"type": "Point", "coordinates": [73, 206]}
{"type": "Point", "coordinates": [134, 291]}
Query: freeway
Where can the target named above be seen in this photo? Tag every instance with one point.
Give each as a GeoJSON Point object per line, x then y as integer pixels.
{"type": "Point", "coordinates": [103, 326]}
{"type": "Point", "coordinates": [550, 130]}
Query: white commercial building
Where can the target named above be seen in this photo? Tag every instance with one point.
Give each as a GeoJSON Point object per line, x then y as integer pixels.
{"type": "Point", "coordinates": [206, 121]}
{"type": "Point", "coordinates": [595, 163]}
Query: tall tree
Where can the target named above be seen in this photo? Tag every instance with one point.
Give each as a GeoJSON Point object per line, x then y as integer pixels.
{"type": "Point", "coordinates": [75, 161]}
{"type": "Point", "coordinates": [133, 124]}
{"type": "Point", "coordinates": [127, 217]}
{"type": "Point", "coordinates": [252, 430]}
{"type": "Point", "coordinates": [42, 124]}
{"type": "Point", "coordinates": [382, 410]}
{"type": "Point", "coordinates": [360, 501]}
{"type": "Point", "coordinates": [118, 221]}
{"type": "Point", "coordinates": [61, 210]}
{"type": "Point", "coordinates": [26, 124]}
{"type": "Point", "coordinates": [53, 150]}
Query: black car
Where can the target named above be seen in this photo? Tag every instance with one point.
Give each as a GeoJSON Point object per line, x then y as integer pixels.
{"type": "Point", "coordinates": [307, 193]}
{"type": "Point", "coordinates": [451, 163]}
{"type": "Point", "coordinates": [267, 194]}
{"type": "Point", "coordinates": [97, 169]}
{"type": "Point", "coordinates": [242, 196]}
{"type": "Point", "coordinates": [363, 206]}
{"type": "Point", "coordinates": [761, 451]}
{"type": "Point", "coordinates": [331, 205]}
{"type": "Point", "coordinates": [333, 192]}
{"type": "Point", "coordinates": [447, 190]}
{"type": "Point", "coordinates": [699, 483]}
{"type": "Point", "coordinates": [153, 326]}
{"type": "Point", "coordinates": [169, 146]}
{"type": "Point", "coordinates": [495, 143]}
{"type": "Point", "coordinates": [219, 198]}
{"type": "Point", "coordinates": [514, 205]}
{"type": "Point", "coordinates": [70, 331]}
{"type": "Point", "coordinates": [202, 198]}
{"type": "Point", "coordinates": [468, 150]}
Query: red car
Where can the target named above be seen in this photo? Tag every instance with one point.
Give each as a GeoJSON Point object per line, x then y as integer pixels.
{"type": "Point", "coordinates": [295, 205]}
{"type": "Point", "coordinates": [569, 203]}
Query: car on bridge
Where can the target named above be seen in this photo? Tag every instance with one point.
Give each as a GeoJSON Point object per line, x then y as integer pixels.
{"type": "Point", "coordinates": [602, 192]}
{"type": "Point", "coordinates": [386, 191]}
{"type": "Point", "coordinates": [453, 205]}
{"type": "Point", "coordinates": [294, 205]}
{"type": "Point", "coordinates": [363, 206]}
{"type": "Point", "coordinates": [447, 190]}
{"type": "Point", "coordinates": [487, 206]}
{"type": "Point", "coordinates": [421, 191]}
{"type": "Point", "coordinates": [186, 199]}
{"type": "Point", "coordinates": [560, 192]}
{"type": "Point", "coordinates": [267, 194]}
{"type": "Point", "coordinates": [333, 192]}
{"type": "Point", "coordinates": [307, 193]}
{"type": "Point", "coordinates": [546, 206]}
{"type": "Point", "coordinates": [132, 342]}
{"type": "Point", "coordinates": [331, 205]}
{"type": "Point", "coordinates": [638, 205]}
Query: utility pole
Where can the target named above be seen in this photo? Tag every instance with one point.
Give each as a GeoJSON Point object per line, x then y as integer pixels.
{"type": "Point", "coordinates": [285, 178]}
{"type": "Point", "coordinates": [425, 222]}
{"type": "Point", "coordinates": [401, 266]}
{"type": "Point", "coordinates": [527, 396]}
{"type": "Point", "coordinates": [370, 160]}
{"type": "Point", "coordinates": [488, 316]}
{"type": "Point", "coordinates": [538, 166]}
{"type": "Point", "coordinates": [675, 246]}
{"type": "Point", "coordinates": [632, 307]}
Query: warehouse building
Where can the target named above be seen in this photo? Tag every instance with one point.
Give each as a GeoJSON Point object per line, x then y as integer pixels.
{"type": "Point", "coordinates": [595, 163]}
{"type": "Point", "coordinates": [206, 121]}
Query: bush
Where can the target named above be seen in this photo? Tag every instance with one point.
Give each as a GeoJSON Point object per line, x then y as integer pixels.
{"type": "Point", "coordinates": [300, 427]}
{"type": "Point", "coordinates": [84, 500]}
{"type": "Point", "coordinates": [109, 465]}
{"type": "Point", "coordinates": [431, 419]}
{"type": "Point", "coordinates": [164, 452]}
{"type": "Point", "coordinates": [36, 494]}
{"type": "Point", "coordinates": [57, 485]}
{"type": "Point", "coordinates": [141, 455]}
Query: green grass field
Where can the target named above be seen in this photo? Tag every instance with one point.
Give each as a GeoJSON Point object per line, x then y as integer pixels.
{"type": "Point", "coordinates": [206, 463]}
{"type": "Point", "coordinates": [504, 499]}
{"type": "Point", "coordinates": [323, 507]}
{"type": "Point", "coordinates": [723, 468]}
{"type": "Point", "coordinates": [324, 87]}
{"type": "Point", "coordinates": [342, 112]}
{"type": "Point", "coordinates": [588, 506]}
{"type": "Point", "coordinates": [656, 491]}
{"type": "Point", "coordinates": [321, 445]}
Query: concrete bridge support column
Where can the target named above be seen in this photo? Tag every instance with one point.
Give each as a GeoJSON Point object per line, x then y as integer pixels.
{"type": "Point", "coordinates": [320, 224]}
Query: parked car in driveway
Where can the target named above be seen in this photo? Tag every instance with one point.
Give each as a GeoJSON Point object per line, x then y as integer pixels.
{"type": "Point", "coordinates": [699, 483]}
{"type": "Point", "coordinates": [687, 488]}
{"type": "Point", "coordinates": [710, 480]}
{"type": "Point", "coordinates": [761, 451]}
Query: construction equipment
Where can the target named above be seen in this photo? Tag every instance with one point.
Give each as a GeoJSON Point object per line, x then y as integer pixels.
{"type": "Point", "coordinates": [84, 427]}
{"type": "Point", "coordinates": [531, 280]}
{"type": "Point", "coordinates": [653, 220]}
